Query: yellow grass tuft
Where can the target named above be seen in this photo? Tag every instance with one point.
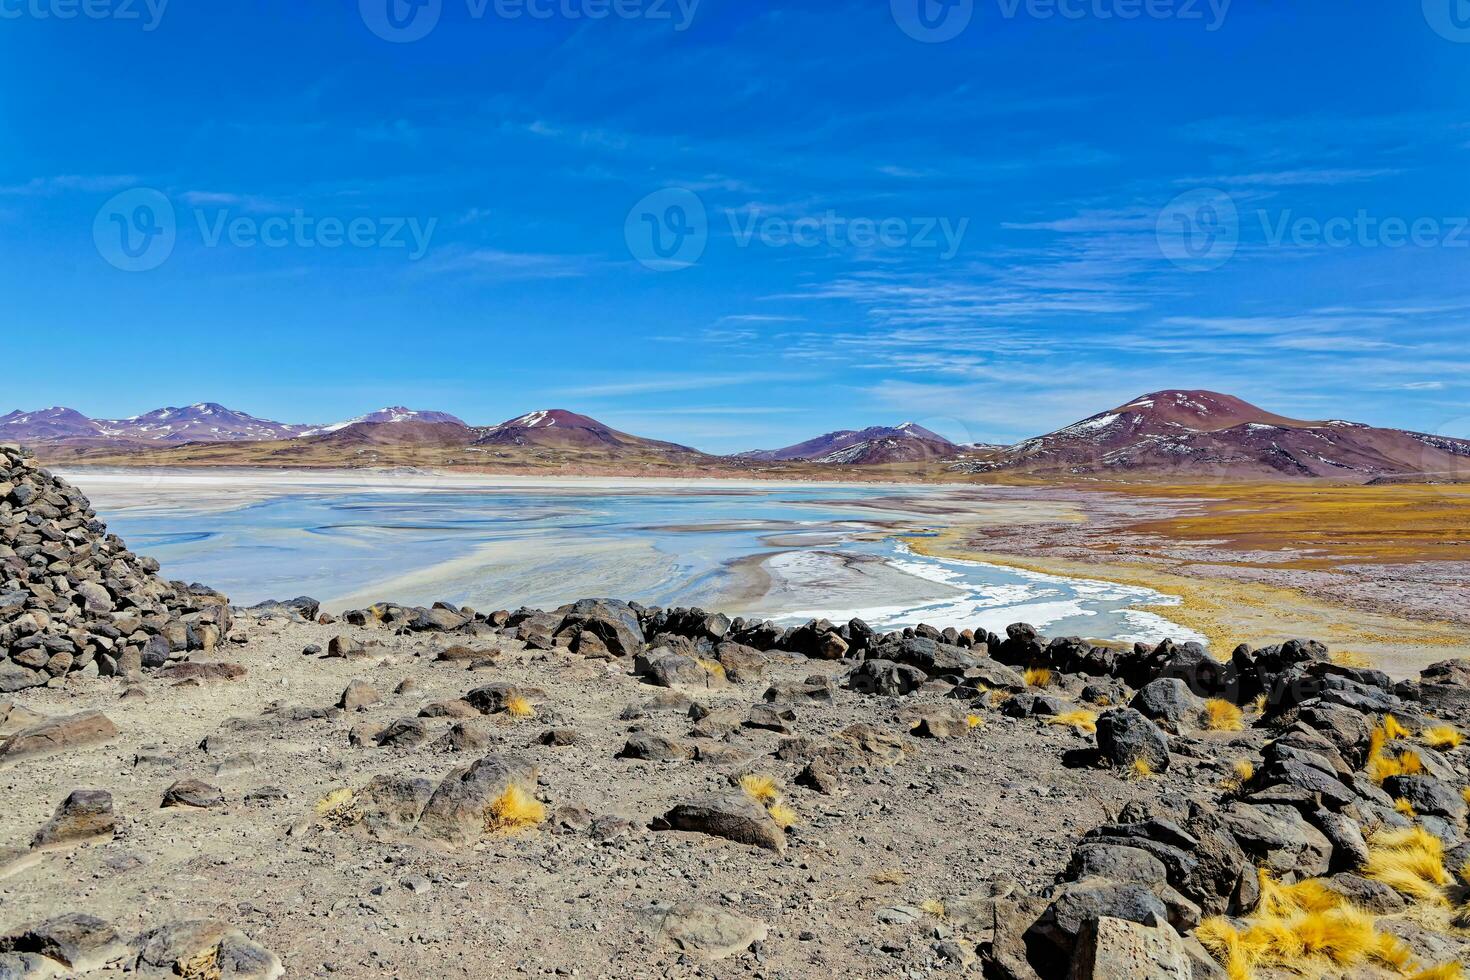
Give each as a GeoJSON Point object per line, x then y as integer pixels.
{"type": "Point", "coordinates": [338, 808]}
{"type": "Point", "coordinates": [1445, 971]}
{"type": "Point", "coordinates": [1037, 677]}
{"type": "Point", "coordinates": [1081, 719]}
{"type": "Point", "coordinates": [1141, 769]}
{"type": "Point", "coordinates": [784, 815]}
{"type": "Point", "coordinates": [1442, 737]}
{"type": "Point", "coordinates": [1405, 807]}
{"type": "Point", "coordinates": [1259, 704]}
{"type": "Point", "coordinates": [1409, 860]}
{"type": "Point", "coordinates": [1240, 777]}
{"type": "Point", "coordinates": [973, 722]}
{"type": "Point", "coordinates": [1350, 658]}
{"type": "Point", "coordinates": [888, 876]}
{"type": "Point", "coordinates": [1466, 794]}
{"type": "Point", "coordinates": [998, 698]}
{"type": "Point", "coordinates": [1220, 715]}
{"type": "Point", "coordinates": [761, 788]}
{"type": "Point", "coordinates": [1383, 763]}
{"type": "Point", "coordinates": [512, 810]}
{"type": "Point", "coordinates": [1304, 928]}
{"type": "Point", "coordinates": [1393, 728]}
{"type": "Point", "coordinates": [764, 790]}
{"type": "Point", "coordinates": [934, 907]}
{"type": "Point", "coordinates": [712, 667]}
{"type": "Point", "coordinates": [519, 707]}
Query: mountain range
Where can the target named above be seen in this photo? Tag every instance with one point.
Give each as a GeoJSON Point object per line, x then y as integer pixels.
{"type": "Point", "coordinates": [1166, 434]}
{"type": "Point", "coordinates": [904, 443]}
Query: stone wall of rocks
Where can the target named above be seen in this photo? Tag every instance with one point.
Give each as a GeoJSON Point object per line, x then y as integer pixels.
{"type": "Point", "coordinates": [74, 600]}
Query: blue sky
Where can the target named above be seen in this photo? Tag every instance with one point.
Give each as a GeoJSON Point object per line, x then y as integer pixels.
{"type": "Point", "coordinates": [994, 233]}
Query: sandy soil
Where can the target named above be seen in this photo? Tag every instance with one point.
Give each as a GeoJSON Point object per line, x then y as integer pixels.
{"type": "Point", "coordinates": [994, 809]}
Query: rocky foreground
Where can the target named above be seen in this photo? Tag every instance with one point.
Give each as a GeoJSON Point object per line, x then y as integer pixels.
{"type": "Point", "coordinates": [613, 791]}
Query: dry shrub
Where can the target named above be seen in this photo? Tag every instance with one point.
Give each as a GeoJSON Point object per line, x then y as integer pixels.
{"type": "Point", "coordinates": [1259, 704]}
{"type": "Point", "coordinates": [784, 816]}
{"type": "Point", "coordinates": [1302, 928]}
{"type": "Point", "coordinates": [712, 667]}
{"type": "Point", "coordinates": [512, 810]}
{"type": "Point", "coordinates": [1240, 777]}
{"type": "Point", "coordinates": [761, 788]}
{"type": "Point", "coordinates": [338, 808]}
{"type": "Point", "coordinates": [1445, 971]}
{"type": "Point", "coordinates": [1442, 737]}
{"type": "Point", "coordinates": [1394, 728]}
{"type": "Point", "coordinates": [1141, 769]}
{"type": "Point", "coordinates": [934, 907]}
{"type": "Point", "coordinates": [1404, 807]}
{"type": "Point", "coordinates": [764, 790]}
{"type": "Point", "coordinates": [1409, 860]}
{"type": "Point", "coordinates": [1037, 677]}
{"type": "Point", "coordinates": [1381, 762]}
{"type": "Point", "coordinates": [519, 707]}
{"type": "Point", "coordinates": [888, 876]}
{"type": "Point", "coordinates": [1220, 715]}
{"type": "Point", "coordinates": [974, 721]}
{"type": "Point", "coordinates": [203, 965]}
{"type": "Point", "coordinates": [1080, 719]}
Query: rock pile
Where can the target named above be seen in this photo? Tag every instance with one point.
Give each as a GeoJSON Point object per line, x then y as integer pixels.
{"type": "Point", "coordinates": [74, 599]}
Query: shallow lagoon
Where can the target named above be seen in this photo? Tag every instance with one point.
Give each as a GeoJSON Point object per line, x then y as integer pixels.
{"type": "Point", "coordinates": [785, 552]}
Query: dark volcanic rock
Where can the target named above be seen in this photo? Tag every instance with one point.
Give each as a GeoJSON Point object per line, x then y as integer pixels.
{"type": "Point", "coordinates": [1125, 738]}
{"type": "Point", "coordinates": [74, 599]}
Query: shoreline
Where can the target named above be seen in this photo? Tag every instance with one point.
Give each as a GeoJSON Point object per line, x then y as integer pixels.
{"type": "Point", "coordinates": [1231, 590]}
{"type": "Point", "coordinates": [840, 566]}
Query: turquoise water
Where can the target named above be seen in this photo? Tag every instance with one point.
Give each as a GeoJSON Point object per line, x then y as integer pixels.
{"type": "Point", "coordinates": [787, 554]}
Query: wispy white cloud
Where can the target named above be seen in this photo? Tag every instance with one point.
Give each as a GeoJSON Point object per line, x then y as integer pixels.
{"type": "Point", "coordinates": [680, 382]}
{"type": "Point", "coordinates": [84, 183]}
{"type": "Point", "coordinates": [491, 263]}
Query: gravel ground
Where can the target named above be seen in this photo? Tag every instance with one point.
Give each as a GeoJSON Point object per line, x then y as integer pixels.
{"type": "Point", "coordinates": [975, 815]}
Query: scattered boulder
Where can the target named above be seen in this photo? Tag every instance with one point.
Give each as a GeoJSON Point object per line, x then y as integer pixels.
{"type": "Point", "coordinates": [1168, 700]}
{"type": "Point", "coordinates": [1109, 948]}
{"type": "Point", "coordinates": [85, 815]}
{"type": "Point", "coordinates": [655, 748]}
{"type": "Point", "coordinates": [58, 735]}
{"type": "Point", "coordinates": [704, 932]}
{"type": "Point", "coordinates": [78, 941]}
{"type": "Point", "coordinates": [193, 793]}
{"type": "Point", "coordinates": [203, 948]}
{"type": "Point", "coordinates": [885, 678]}
{"type": "Point", "coordinates": [358, 695]}
{"type": "Point", "coordinates": [731, 815]}
{"type": "Point", "coordinates": [1126, 738]}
